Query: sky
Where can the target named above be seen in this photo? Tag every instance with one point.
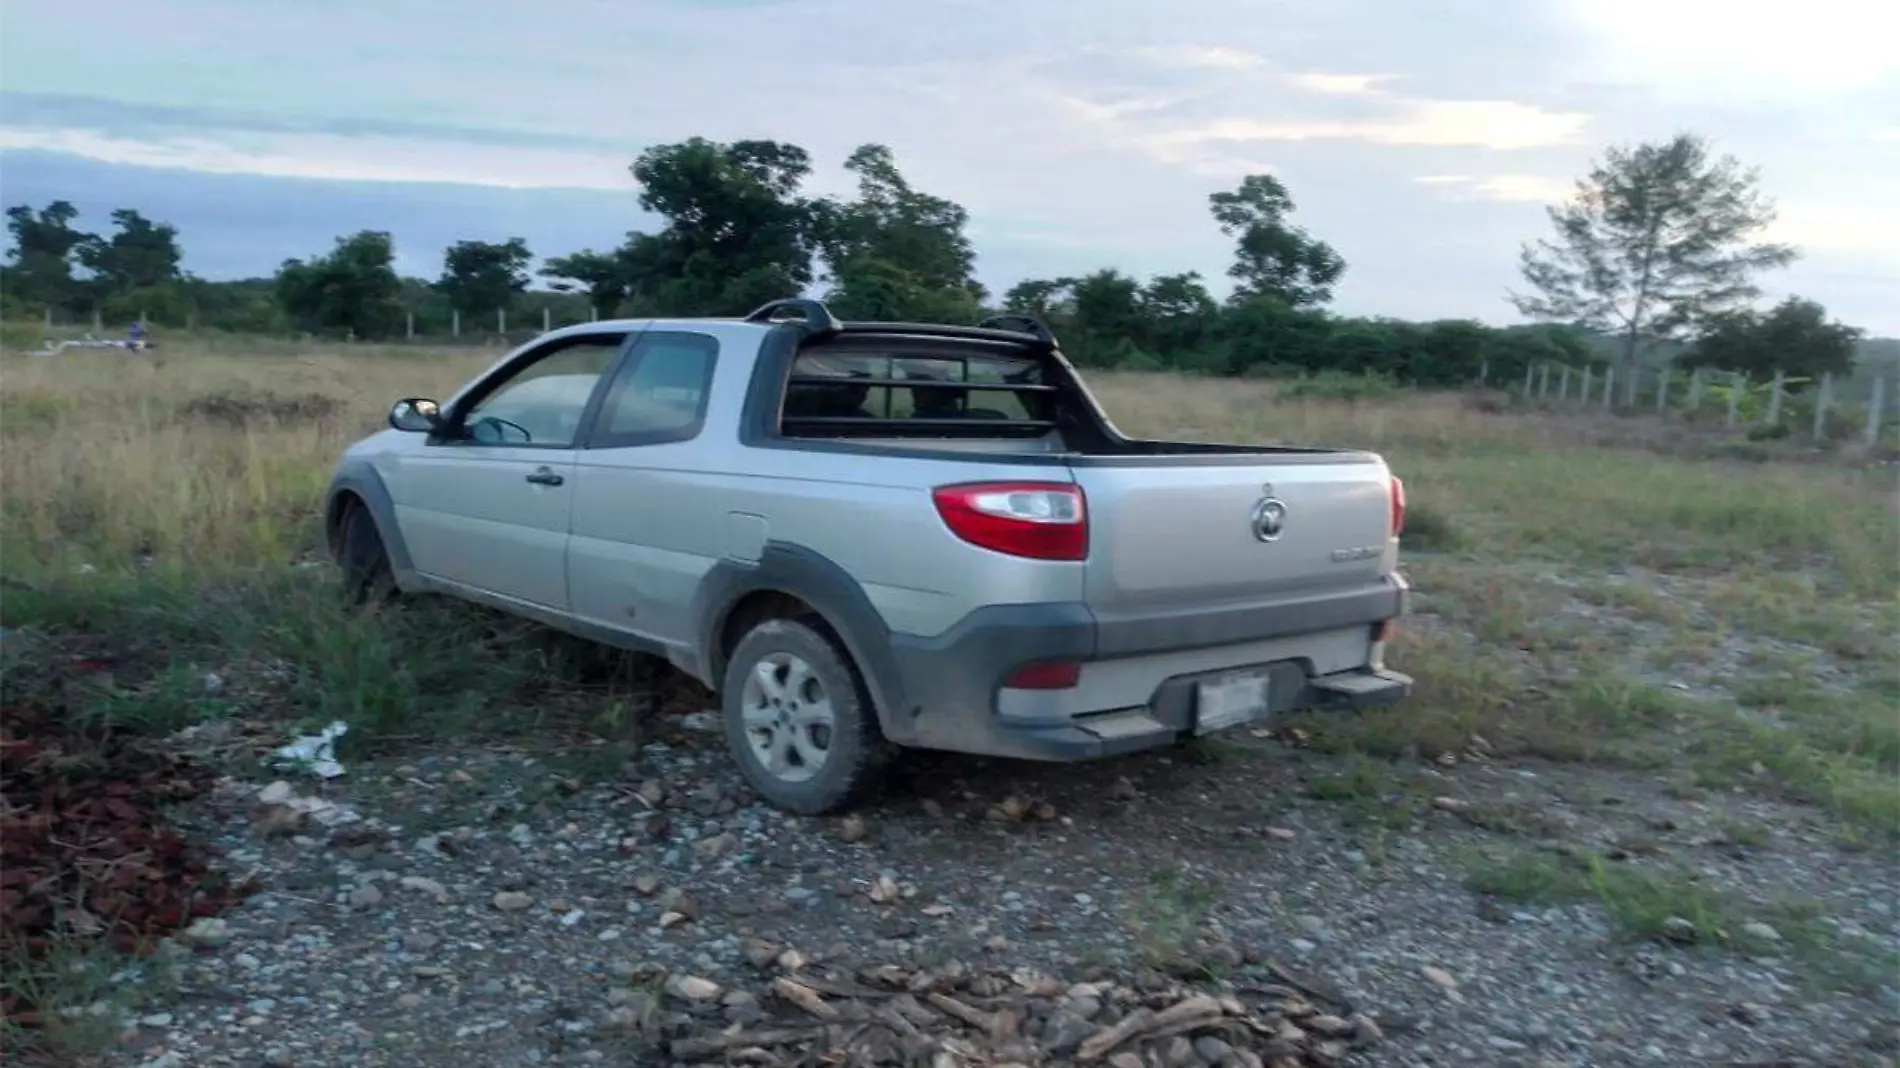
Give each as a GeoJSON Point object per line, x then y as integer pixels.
{"type": "Point", "coordinates": [1421, 139]}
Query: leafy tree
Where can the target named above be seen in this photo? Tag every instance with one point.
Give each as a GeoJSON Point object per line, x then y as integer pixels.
{"type": "Point", "coordinates": [1267, 335]}
{"type": "Point", "coordinates": [896, 252]}
{"type": "Point", "coordinates": [1513, 349]}
{"type": "Point", "coordinates": [140, 255]}
{"type": "Point", "coordinates": [737, 232]}
{"type": "Point", "coordinates": [1040, 297]}
{"type": "Point", "coordinates": [480, 277]}
{"type": "Point", "coordinates": [602, 274]}
{"type": "Point", "coordinates": [353, 289]}
{"type": "Point", "coordinates": [1657, 239]}
{"type": "Point", "coordinates": [248, 305]}
{"type": "Point", "coordinates": [1794, 336]}
{"type": "Point", "coordinates": [1178, 314]}
{"type": "Point", "coordinates": [1274, 258]}
{"type": "Point", "coordinates": [40, 271]}
{"type": "Point", "coordinates": [1364, 347]}
{"type": "Point", "coordinates": [1447, 352]}
{"type": "Point", "coordinates": [1105, 305]}
{"type": "Point", "coordinates": [877, 289]}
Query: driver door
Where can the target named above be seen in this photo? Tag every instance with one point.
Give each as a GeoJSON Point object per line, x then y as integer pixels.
{"type": "Point", "coordinates": [486, 506]}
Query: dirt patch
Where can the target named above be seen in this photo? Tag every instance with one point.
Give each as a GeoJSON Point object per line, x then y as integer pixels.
{"type": "Point", "coordinates": [87, 852]}
{"type": "Point", "coordinates": [248, 409]}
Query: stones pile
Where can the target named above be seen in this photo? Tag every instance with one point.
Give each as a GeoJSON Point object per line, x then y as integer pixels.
{"type": "Point", "coordinates": [953, 1017]}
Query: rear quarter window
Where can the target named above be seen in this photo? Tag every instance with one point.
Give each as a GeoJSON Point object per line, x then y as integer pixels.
{"type": "Point", "coordinates": [902, 387]}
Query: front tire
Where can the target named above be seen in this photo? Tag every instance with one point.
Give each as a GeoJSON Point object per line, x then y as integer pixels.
{"type": "Point", "coordinates": [367, 576]}
{"type": "Point", "coordinates": [798, 719]}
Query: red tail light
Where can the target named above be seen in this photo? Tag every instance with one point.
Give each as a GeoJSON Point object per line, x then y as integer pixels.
{"type": "Point", "coordinates": [1038, 520]}
{"type": "Point", "coordinates": [1398, 505]}
{"type": "Point", "coordinates": [1049, 675]}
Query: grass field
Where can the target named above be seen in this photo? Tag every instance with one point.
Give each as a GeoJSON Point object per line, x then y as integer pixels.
{"type": "Point", "coordinates": [180, 489]}
{"type": "Point", "coordinates": [1609, 594]}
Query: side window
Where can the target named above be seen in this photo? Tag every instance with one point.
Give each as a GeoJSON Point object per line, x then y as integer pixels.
{"type": "Point", "coordinates": [542, 403]}
{"type": "Point", "coordinates": [660, 393]}
{"type": "Point", "coordinates": [945, 387]}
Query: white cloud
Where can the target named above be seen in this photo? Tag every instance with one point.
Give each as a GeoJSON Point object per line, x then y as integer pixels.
{"type": "Point", "coordinates": [1524, 187]}
{"type": "Point", "coordinates": [1498, 124]}
{"type": "Point", "coordinates": [1867, 229]}
{"type": "Point", "coordinates": [1730, 51]}
{"type": "Point", "coordinates": [1202, 57]}
{"type": "Point", "coordinates": [1340, 84]}
{"type": "Point", "coordinates": [1885, 133]}
{"type": "Point", "coordinates": [373, 159]}
{"type": "Point", "coordinates": [1505, 187]}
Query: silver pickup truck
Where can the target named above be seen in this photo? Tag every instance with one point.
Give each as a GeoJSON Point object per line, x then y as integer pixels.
{"type": "Point", "coordinates": [869, 536]}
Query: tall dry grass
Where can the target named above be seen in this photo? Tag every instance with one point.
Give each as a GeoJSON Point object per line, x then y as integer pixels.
{"type": "Point", "coordinates": [204, 460]}
{"type": "Point", "coordinates": [212, 459]}
{"type": "Point", "coordinates": [162, 499]}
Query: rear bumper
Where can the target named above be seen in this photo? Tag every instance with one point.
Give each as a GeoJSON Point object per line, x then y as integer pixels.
{"type": "Point", "coordinates": [951, 681]}
{"type": "Point", "coordinates": [1166, 722]}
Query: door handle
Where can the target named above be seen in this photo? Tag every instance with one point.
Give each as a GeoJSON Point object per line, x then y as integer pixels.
{"type": "Point", "coordinates": [545, 476]}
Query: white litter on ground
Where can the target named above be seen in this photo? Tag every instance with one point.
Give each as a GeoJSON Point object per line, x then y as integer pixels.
{"type": "Point", "coordinates": [314, 753]}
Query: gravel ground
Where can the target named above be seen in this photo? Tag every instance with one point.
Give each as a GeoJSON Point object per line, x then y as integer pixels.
{"type": "Point", "coordinates": [483, 907]}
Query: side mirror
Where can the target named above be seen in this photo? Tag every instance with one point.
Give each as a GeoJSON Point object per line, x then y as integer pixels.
{"type": "Point", "coordinates": [416, 415]}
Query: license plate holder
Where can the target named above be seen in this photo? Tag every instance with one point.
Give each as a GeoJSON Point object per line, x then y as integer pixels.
{"type": "Point", "coordinates": [1229, 701]}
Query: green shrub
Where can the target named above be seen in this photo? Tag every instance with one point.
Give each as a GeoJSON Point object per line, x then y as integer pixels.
{"type": "Point", "coordinates": [21, 336]}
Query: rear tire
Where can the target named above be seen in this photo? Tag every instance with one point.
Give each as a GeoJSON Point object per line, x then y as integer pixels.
{"type": "Point", "coordinates": [368, 579]}
{"type": "Point", "coordinates": [799, 721]}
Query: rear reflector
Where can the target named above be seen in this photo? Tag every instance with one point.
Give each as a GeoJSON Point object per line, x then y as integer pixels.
{"type": "Point", "coordinates": [1037, 520]}
{"type": "Point", "coordinates": [1049, 675]}
{"type": "Point", "coordinates": [1398, 505]}
{"type": "Point", "coordinates": [1383, 630]}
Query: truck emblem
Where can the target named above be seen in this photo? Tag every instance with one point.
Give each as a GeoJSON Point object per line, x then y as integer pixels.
{"type": "Point", "coordinates": [1269, 515]}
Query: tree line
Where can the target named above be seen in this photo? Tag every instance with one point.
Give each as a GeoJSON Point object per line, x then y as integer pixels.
{"type": "Point", "coordinates": [1653, 258]}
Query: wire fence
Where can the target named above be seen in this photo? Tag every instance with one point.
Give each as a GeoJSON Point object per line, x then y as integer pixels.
{"type": "Point", "coordinates": [433, 325]}
{"type": "Point", "coordinates": [1831, 408]}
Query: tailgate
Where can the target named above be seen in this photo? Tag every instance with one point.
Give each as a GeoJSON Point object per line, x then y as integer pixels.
{"type": "Point", "coordinates": [1170, 535]}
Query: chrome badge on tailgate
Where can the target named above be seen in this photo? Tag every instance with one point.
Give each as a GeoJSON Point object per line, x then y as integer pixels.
{"type": "Point", "coordinates": [1269, 515]}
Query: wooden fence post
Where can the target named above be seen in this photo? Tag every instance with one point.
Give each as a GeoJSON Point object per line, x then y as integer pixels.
{"type": "Point", "coordinates": [1873, 412]}
{"type": "Point", "coordinates": [1543, 381]}
{"type": "Point", "coordinates": [547, 320]}
{"type": "Point", "coordinates": [1563, 385]}
{"type": "Point", "coordinates": [1737, 384]}
{"type": "Point", "coordinates": [455, 322]}
{"type": "Point", "coordinates": [1530, 370]}
{"type": "Point", "coordinates": [1774, 399]}
{"type": "Point", "coordinates": [409, 326]}
{"type": "Point", "coordinates": [1609, 388]}
{"type": "Point", "coordinates": [1584, 390]}
{"type": "Point", "coordinates": [1695, 390]}
{"type": "Point", "coordinates": [1635, 384]}
{"type": "Point", "coordinates": [1662, 391]}
{"type": "Point", "coordinates": [501, 322]}
{"type": "Point", "coordinates": [49, 318]}
{"type": "Point", "coordinates": [1820, 405]}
